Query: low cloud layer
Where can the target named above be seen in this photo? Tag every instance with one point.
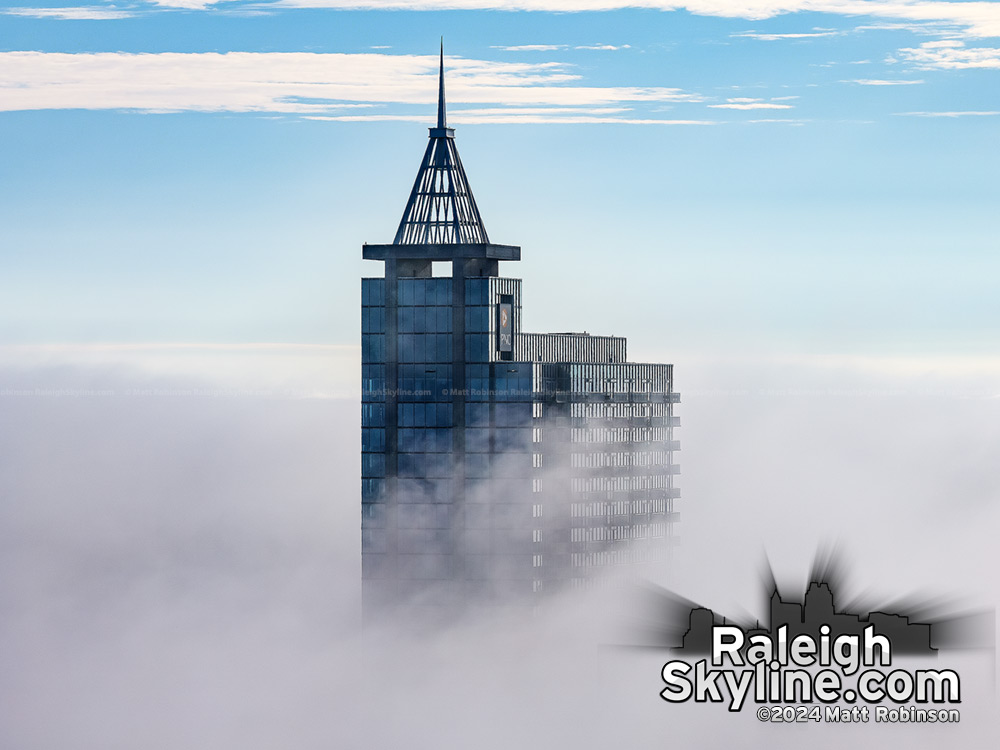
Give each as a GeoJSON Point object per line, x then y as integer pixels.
{"type": "Point", "coordinates": [183, 571]}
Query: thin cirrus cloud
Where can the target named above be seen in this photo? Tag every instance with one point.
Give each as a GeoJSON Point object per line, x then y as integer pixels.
{"type": "Point", "coordinates": [950, 54]}
{"type": "Point", "coordinates": [505, 119]}
{"type": "Point", "coordinates": [531, 47]}
{"type": "Point", "coordinates": [556, 47]}
{"type": "Point", "coordinates": [80, 13]}
{"type": "Point", "coordinates": [880, 82]}
{"type": "Point", "coordinates": [972, 113]}
{"type": "Point", "coordinates": [298, 82]}
{"type": "Point", "coordinates": [747, 103]}
{"type": "Point", "coordinates": [776, 37]}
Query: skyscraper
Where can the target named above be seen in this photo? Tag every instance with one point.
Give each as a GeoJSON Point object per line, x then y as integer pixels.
{"type": "Point", "coordinates": [495, 462]}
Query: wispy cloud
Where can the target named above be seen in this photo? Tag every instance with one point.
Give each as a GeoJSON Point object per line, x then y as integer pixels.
{"type": "Point", "coordinates": [522, 119]}
{"type": "Point", "coordinates": [928, 29]}
{"type": "Point", "coordinates": [973, 113]}
{"type": "Point", "coordinates": [555, 47]}
{"type": "Point", "coordinates": [951, 54]}
{"type": "Point", "coordinates": [531, 47]}
{"type": "Point", "coordinates": [455, 114]}
{"type": "Point", "coordinates": [187, 4]}
{"type": "Point", "coordinates": [81, 13]}
{"type": "Point", "coordinates": [747, 103]}
{"type": "Point", "coordinates": [304, 83]}
{"type": "Point", "coordinates": [880, 82]}
{"type": "Point", "coordinates": [775, 37]}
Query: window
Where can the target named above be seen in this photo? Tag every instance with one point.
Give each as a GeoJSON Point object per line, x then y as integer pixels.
{"type": "Point", "coordinates": [477, 415]}
{"type": "Point", "coordinates": [373, 415]}
{"type": "Point", "coordinates": [373, 439]}
{"type": "Point", "coordinates": [372, 465]}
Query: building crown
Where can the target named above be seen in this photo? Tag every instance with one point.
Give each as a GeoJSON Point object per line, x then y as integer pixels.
{"type": "Point", "coordinates": [441, 209]}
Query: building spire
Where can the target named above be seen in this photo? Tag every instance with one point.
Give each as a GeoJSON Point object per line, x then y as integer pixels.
{"type": "Point", "coordinates": [441, 209]}
{"type": "Point", "coordinates": [442, 118]}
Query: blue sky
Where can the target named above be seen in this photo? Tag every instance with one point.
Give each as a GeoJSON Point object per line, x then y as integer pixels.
{"type": "Point", "coordinates": [794, 178]}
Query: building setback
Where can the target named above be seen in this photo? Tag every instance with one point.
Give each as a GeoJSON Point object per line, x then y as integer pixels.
{"type": "Point", "coordinates": [495, 462]}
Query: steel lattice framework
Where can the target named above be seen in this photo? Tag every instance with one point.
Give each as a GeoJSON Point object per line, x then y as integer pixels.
{"type": "Point", "coordinates": [441, 209]}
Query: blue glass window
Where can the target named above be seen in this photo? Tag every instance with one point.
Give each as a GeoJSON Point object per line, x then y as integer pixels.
{"type": "Point", "coordinates": [477, 415]}
{"type": "Point", "coordinates": [372, 291]}
{"type": "Point", "coordinates": [373, 320]}
{"type": "Point", "coordinates": [424, 464]}
{"type": "Point", "coordinates": [477, 347]}
{"type": "Point", "coordinates": [372, 489]}
{"type": "Point", "coordinates": [373, 439]}
{"type": "Point", "coordinates": [373, 382]}
{"type": "Point", "coordinates": [373, 415]}
{"type": "Point", "coordinates": [477, 440]}
{"type": "Point", "coordinates": [426, 440]}
{"type": "Point", "coordinates": [373, 347]}
{"type": "Point", "coordinates": [442, 291]}
{"type": "Point", "coordinates": [477, 319]}
{"type": "Point", "coordinates": [512, 415]}
{"type": "Point", "coordinates": [476, 292]}
{"type": "Point", "coordinates": [424, 415]}
{"type": "Point", "coordinates": [477, 382]}
{"type": "Point", "coordinates": [404, 319]}
{"type": "Point", "coordinates": [372, 464]}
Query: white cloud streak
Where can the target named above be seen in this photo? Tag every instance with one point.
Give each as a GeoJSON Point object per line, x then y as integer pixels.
{"type": "Point", "coordinates": [879, 82]}
{"type": "Point", "coordinates": [83, 13]}
{"type": "Point", "coordinates": [532, 47]}
{"type": "Point", "coordinates": [973, 113]}
{"type": "Point", "coordinates": [187, 4]}
{"type": "Point", "coordinates": [304, 83]}
{"type": "Point", "coordinates": [951, 54]}
{"type": "Point", "coordinates": [775, 37]}
{"type": "Point", "coordinates": [746, 103]}
{"type": "Point", "coordinates": [524, 119]}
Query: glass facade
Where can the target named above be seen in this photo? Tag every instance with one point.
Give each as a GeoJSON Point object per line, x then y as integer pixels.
{"type": "Point", "coordinates": [488, 472]}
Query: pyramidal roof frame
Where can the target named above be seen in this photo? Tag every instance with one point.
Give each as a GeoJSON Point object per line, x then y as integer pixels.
{"type": "Point", "coordinates": [441, 208]}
